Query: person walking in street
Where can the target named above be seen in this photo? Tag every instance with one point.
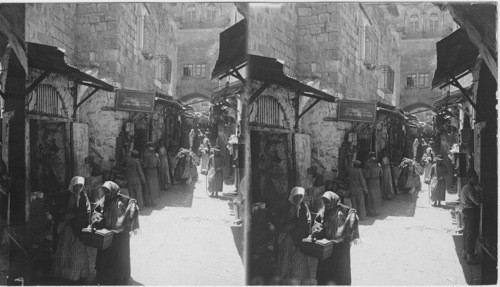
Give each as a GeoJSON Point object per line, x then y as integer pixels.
{"type": "Point", "coordinates": [165, 177]}
{"type": "Point", "coordinates": [470, 201]}
{"type": "Point", "coordinates": [71, 260]}
{"type": "Point", "coordinates": [372, 173]}
{"type": "Point", "coordinates": [337, 222]}
{"type": "Point", "coordinates": [292, 226]}
{"type": "Point", "coordinates": [358, 188]}
{"type": "Point", "coordinates": [150, 164]}
{"type": "Point", "coordinates": [387, 188]}
{"type": "Point", "coordinates": [428, 160]}
{"type": "Point", "coordinates": [205, 150]}
{"type": "Point", "coordinates": [416, 144]}
{"type": "Point", "coordinates": [120, 214]}
{"type": "Point", "coordinates": [215, 174]}
{"type": "Point", "coordinates": [438, 181]}
{"type": "Point", "coordinates": [135, 176]}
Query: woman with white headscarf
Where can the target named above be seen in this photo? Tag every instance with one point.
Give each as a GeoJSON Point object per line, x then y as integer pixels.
{"type": "Point", "coordinates": [292, 226]}
{"type": "Point", "coordinates": [118, 213]}
{"type": "Point", "coordinates": [337, 222]}
{"type": "Point", "coordinates": [71, 258]}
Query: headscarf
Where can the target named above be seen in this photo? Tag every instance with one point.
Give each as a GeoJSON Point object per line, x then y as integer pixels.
{"type": "Point", "coordinates": [74, 181]}
{"type": "Point", "coordinates": [113, 187]}
{"type": "Point", "coordinates": [297, 191]}
{"type": "Point", "coordinates": [332, 197]}
{"type": "Point", "coordinates": [428, 150]}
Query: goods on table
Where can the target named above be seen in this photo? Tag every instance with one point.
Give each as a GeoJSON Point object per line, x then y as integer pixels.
{"type": "Point", "coordinates": [321, 249]}
{"type": "Point", "coordinates": [100, 238]}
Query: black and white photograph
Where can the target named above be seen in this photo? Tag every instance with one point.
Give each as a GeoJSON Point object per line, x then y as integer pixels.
{"type": "Point", "coordinates": [239, 143]}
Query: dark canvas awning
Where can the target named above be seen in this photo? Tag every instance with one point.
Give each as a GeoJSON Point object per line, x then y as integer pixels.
{"type": "Point", "coordinates": [51, 59]}
{"type": "Point", "coordinates": [270, 70]}
{"type": "Point", "coordinates": [456, 55]}
{"type": "Point", "coordinates": [232, 49]}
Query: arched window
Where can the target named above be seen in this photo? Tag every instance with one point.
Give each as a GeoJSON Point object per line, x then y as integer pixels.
{"type": "Point", "coordinates": [191, 13]}
{"type": "Point", "coordinates": [434, 21]}
{"type": "Point", "coordinates": [413, 23]}
{"type": "Point", "coordinates": [211, 12]}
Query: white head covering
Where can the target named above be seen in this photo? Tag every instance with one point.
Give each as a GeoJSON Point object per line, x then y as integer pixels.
{"type": "Point", "coordinates": [297, 191]}
{"type": "Point", "coordinates": [74, 181]}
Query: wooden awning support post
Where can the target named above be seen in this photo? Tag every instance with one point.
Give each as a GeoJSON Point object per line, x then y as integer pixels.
{"type": "Point", "coordinates": [235, 73]}
{"type": "Point", "coordinates": [37, 82]}
{"type": "Point", "coordinates": [455, 83]}
{"type": "Point", "coordinates": [257, 93]}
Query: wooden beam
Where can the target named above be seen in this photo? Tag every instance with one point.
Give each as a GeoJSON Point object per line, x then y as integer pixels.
{"type": "Point", "coordinates": [6, 29]}
{"type": "Point", "coordinates": [464, 91]}
{"type": "Point", "coordinates": [46, 118]}
{"type": "Point", "coordinates": [309, 108]}
{"type": "Point", "coordinates": [258, 93]}
{"type": "Point", "coordinates": [37, 82]}
{"type": "Point", "coordinates": [86, 98]}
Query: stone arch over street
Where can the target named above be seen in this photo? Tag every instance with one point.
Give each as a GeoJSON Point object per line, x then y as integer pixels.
{"type": "Point", "coordinates": [418, 105]}
{"type": "Point", "coordinates": [200, 102]}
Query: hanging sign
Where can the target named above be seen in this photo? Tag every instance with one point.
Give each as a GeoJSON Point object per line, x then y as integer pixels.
{"type": "Point", "coordinates": [353, 111]}
{"type": "Point", "coordinates": [135, 101]}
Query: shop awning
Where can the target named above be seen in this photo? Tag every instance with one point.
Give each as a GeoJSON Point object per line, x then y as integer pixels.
{"type": "Point", "coordinates": [270, 70]}
{"type": "Point", "coordinates": [166, 100]}
{"type": "Point", "coordinates": [224, 92]}
{"type": "Point", "coordinates": [448, 100]}
{"type": "Point", "coordinates": [392, 113]}
{"type": "Point", "coordinates": [456, 56]}
{"type": "Point", "coordinates": [232, 49]}
{"type": "Point", "coordinates": [51, 59]}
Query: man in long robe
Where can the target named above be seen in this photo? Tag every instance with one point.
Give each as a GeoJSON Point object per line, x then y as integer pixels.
{"type": "Point", "coordinates": [150, 164]}
{"type": "Point", "coordinates": [135, 176]}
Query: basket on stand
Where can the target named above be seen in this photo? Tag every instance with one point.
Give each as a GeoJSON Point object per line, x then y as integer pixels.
{"type": "Point", "coordinates": [100, 238]}
{"type": "Point", "coordinates": [321, 249]}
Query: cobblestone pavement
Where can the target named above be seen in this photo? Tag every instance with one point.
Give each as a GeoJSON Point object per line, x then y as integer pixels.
{"type": "Point", "coordinates": [411, 243]}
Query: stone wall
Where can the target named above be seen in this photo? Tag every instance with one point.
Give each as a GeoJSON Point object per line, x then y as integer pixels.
{"type": "Point", "coordinates": [272, 33]}
{"type": "Point", "coordinates": [52, 24]}
{"type": "Point", "coordinates": [418, 50]}
{"type": "Point", "coordinates": [108, 37]}
{"type": "Point", "coordinates": [329, 49]}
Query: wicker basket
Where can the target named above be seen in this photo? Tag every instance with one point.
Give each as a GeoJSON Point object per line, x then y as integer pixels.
{"type": "Point", "coordinates": [100, 239]}
{"type": "Point", "coordinates": [320, 249]}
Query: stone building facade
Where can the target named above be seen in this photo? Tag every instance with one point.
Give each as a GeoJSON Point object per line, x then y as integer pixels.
{"type": "Point", "coordinates": [420, 26]}
{"type": "Point", "coordinates": [349, 50]}
{"type": "Point", "coordinates": [198, 47]}
{"type": "Point", "coordinates": [129, 45]}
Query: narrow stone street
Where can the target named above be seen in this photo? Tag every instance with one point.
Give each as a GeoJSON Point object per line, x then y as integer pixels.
{"type": "Point", "coordinates": [411, 243]}
{"type": "Point", "coordinates": [188, 239]}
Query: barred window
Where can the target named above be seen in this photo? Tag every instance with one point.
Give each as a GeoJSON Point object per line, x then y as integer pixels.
{"type": "Point", "coordinates": [187, 71]}
{"type": "Point", "coordinates": [200, 70]}
{"type": "Point", "coordinates": [164, 69]}
{"type": "Point", "coordinates": [191, 13]}
{"type": "Point", "coordinates": [414, 23]}
{"type": "Point", "coordinates": [211, 12]}
{"type": "Point", "coordinates": [411, 80]}
{"type": "Point", "coordinates": [387, 79]}
{"type": "Point", "coordinates": [423, 80]}
{"type": "Point", "coordinates": [434, 21]}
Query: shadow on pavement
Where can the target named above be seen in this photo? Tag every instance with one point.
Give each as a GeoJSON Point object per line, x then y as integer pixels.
{"type": "Point", "coordinates": [179, 195]}
{"type": "Point", "coordinates": [403, 204]}
{"type": "Point", "coordinates": [237, 231]}
{"type": "Point", "coordinates": [132, 282]}
{"type": "Point", "coordinates": [472, 272]}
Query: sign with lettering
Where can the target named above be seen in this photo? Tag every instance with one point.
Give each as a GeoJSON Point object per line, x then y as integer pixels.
{"type": "Point", "coordinates": [353, 111]}
{"type": "Point", "coordinates": [135, 101]}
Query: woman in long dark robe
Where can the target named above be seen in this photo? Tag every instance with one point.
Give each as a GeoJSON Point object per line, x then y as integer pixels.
{"type": "Point", "coordinates": [292, 226]}
{"type": "Point", "coordinates": [150, 165]}
{"type": "Point", "coordinates": [118, 213]}
{"type": "Point", "coordinates": [165, 179]}
{"type": "Point", "coordinates": [71, 260]}
{"type": "Point", "coordinates": [387, 189]}
{"type": "Point", "coordinates": [438, 181]}
{"type": "Point", "coordinates": [373, 172]}
{"type": "Point", "coordinates": [215, 174]}
{"type": "Point", "coordinates": [337, 222]}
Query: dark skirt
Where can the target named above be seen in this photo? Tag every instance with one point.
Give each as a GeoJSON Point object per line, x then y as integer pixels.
{"type": "Point", "coordinates": [113, 264]}
{"type": "Point", "coordinates": [438, 189]}
{"type": "Point", "coordinates": [336, 270]}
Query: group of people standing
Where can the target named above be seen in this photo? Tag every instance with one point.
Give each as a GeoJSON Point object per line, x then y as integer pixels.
{"type": "Point", "coordinates": [370, 185]}
{"type": "Point", "coordinates": [115, 212]}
